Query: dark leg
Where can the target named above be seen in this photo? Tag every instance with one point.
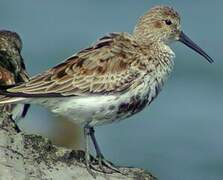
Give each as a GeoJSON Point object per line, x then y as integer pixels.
{"type": "Point", "coordinates": [25, 110]}
{"type": "Point", "coordinates": [97, 149]}
{"type": "Point", "coordinates": [101, 160]}
{"type": "Point", "coordinates": [17, 129]}
{"type": "Point", "coordinates": [87, 153]}
{"type": "Point", "coordinates": [7, 109]}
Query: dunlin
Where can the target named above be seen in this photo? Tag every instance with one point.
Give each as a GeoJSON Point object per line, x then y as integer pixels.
{"type": "Point", "coordinates": [12, 67]}
{"type": "Point", "coordinates": [113, 79]}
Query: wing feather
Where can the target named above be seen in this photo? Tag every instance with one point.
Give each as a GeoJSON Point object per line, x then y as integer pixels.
{"type": "Point", "coordinates": [109, 66]}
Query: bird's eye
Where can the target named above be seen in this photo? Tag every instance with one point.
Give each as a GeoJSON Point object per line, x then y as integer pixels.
{"type": "Point", "coordinates": [168, 22]}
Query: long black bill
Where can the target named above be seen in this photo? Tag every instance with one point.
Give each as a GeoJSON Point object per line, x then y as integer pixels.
{"type": "Point", "coordinates": [188, 42]}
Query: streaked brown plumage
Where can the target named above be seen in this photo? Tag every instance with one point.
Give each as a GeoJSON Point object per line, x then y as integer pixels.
{"type": "Point", "coordinates": [6, 77]}
{"type": "Point", "coordinates": [12, 67]}
{"type": "Point", "coordinates": [10, 55]}
{"type": "Point", "coordinates": [110, 66]}
{"type": "Point", "coordinates": [111, 80]}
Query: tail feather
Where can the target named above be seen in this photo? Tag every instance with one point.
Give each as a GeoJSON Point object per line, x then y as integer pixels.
{"type": "Point", "coordinates": [19, 110]}
{"type": "Point", "coordinates": [9, 98]}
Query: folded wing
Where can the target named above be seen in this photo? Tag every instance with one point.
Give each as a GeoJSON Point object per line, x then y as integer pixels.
{"type": "Point", "coordinates": [109, 66]}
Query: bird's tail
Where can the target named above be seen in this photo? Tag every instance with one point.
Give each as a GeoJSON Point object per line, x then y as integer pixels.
{"type": "Point", "coordinates": [8, 97]}
{"type": "Point", "coordinates": [10, 100]}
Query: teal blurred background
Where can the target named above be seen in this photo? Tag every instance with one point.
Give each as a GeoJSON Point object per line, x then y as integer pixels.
{"type": "Point", "coordinates": [179, 137]}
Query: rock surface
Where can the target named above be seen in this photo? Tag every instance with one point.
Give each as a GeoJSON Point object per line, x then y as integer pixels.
{"type": "Point", "coordinates": [32, 157]}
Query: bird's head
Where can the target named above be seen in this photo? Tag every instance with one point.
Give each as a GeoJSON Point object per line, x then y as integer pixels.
{"type": "Point", "coordinates": [10, 41]}
{"type": "Point", "coordinates": [162, 24]}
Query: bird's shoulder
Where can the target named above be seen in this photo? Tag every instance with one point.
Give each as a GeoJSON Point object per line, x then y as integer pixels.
{"type": "Point", "coordinates": [112, 53]}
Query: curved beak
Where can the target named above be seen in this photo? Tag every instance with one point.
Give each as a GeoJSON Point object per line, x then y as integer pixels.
{"type": "Point", "coordinates": [188, 42]}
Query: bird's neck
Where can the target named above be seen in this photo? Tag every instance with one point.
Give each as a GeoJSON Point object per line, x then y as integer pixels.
{"type": "Point", "coordinates": [162, 59]}
{"type": "Point", "coordinates": [165, 61]}
{"type": "Point", "coordinates": [163, 52]}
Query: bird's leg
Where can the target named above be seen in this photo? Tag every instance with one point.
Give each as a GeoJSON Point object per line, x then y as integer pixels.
{"type": "Point", "coordinates": [87, 153]}
{"type": "Point", "coordinates": [16, 127]}
{"type": "Point", "coordinates": [7, 109]}
{"type": "Point", "coordinates": [101, 160]}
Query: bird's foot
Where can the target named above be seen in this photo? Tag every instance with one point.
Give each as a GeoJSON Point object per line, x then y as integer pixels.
{"type": "Point", "coordinates": [101, 165]}
{"type": "Point", "coordinates": [89, 166]}
{"type": "Point", "coordinates": [104, 166]}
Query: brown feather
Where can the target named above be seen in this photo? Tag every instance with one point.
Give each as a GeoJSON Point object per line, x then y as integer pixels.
{"type": "Point", "coordinates": [111, 65]}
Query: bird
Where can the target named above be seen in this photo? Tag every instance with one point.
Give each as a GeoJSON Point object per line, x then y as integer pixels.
{"type": "Point", "coordinates": [113, 79]}
{"type": "Point", "coordinates": [12, 69]}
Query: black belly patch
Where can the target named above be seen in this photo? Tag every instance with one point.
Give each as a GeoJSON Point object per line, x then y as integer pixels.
{"type": "Point", "coordinates": [135, 105]}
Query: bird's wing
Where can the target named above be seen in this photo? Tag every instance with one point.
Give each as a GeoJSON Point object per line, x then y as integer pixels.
{"type": "Point", "coordinates": [109, 66]}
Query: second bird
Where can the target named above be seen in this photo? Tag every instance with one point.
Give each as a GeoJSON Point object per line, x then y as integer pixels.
{"type": "Point", "coordinates": [12, 69]}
